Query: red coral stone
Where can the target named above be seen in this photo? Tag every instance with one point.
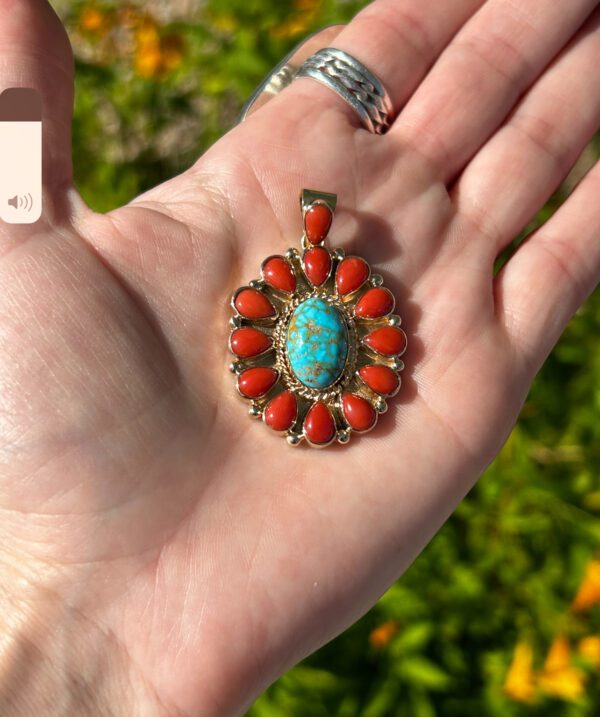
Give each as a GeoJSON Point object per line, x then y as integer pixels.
{"type": "Point", "coordinates": [317, 265]}
{"type": "Point", "coordinates": [317, 222]}
{"type": "Point", "coordinates": [351, 273]}
{"type": "Point", "coordinates": [358, 412]}
{"type": "Point", "coordinates": [388, 341]}
{"type": "Point", "coordinates": [247, 341]}
{"type": "Point", "coordinates": [255, 382]}
{"type": "Point", "coordinates": [252, 304]}
{"type": "Point", "coordinates": [380, 379]}
{"type": "Point", "coordinates": [281, 411]}
{"type": "Point", "coordinates": [279, 274]}
{"type": "Point", "coordinates": [374, 303]}
{"type": "Point", "coordinates": [319, 426]}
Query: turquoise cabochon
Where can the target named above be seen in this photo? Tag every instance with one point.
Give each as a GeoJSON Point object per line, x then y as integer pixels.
{"type": "Point", "coordinates": [317, 343]}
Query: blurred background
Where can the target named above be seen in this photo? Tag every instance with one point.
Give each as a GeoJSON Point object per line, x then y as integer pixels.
{"type": "Point", "coordinates": [501, 613]}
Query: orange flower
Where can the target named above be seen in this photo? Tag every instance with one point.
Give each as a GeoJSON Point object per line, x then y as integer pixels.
{"type": "Point", "coordinates": [589, 649]}
{"type": "Point", "coordinates": [146, 32]}
{"type": "Point", "coordinates": [94, 21]}
{"type": "Point", "coordinates": [589, 590]}
{"type": "Point", "coordinates": [155, 55]}
{"type": "Point", "coordinates": [290, 28]}
{"type": "Point", "coordinates": [519, 683]}
{"type": "Point", "coordinates": [148, 61]}
{"type": "Point", "coordinates": [300, 22]}
{"type": "Point", "coordinates": [382, 635]}
{"type": "Point", "coordinates": [172, 51]}
{"type": "Point", "coordinates": [307, 5]}
{"type": "Point", "coordinates": [559, 678]}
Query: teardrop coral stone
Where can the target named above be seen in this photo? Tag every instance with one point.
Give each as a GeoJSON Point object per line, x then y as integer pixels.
{"type": "Point", "coordinates": [380, 379]}
{"type": "Point", "coordinates": [255, 382]}
{"type": "Point", "coordinates": [319, 426]}
{"type": "Point", "coordinates": [317, 265]}
{"type": "Point", "coordinates": [252, 304]}
{"type": "Point", "coordinates": [358, 412]}
{"type": "Point", "coordinates": [317, 222]}
{"type": "Point", "coordinates": [374, 303]}
{"type": "Point", "coordinates": [351, 273]}
{"type": "Point", "coordinates": [281, 411]}
{"type": "Point", "coordinates": [248, 341]}
{"type": "Point", "coordinates": [387, 341]}
{"type": "Point", "coordinates": [278, 273]}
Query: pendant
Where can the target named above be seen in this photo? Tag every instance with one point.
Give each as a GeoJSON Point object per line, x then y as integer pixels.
{"type": "Point", "coordinates": [317, 346]}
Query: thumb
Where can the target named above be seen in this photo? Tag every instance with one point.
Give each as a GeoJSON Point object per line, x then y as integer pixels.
{"type": "Point", "coordinates": [35, 52]}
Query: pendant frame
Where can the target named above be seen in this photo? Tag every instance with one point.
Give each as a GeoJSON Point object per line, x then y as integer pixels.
{"type": "Point", "coordinates": [354, 400]}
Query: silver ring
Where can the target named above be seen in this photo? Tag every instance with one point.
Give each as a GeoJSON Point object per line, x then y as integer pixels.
{"type": "Point", "coordinates": [354, 83]}
{"type": "Point", "coordinates": [284, 72]}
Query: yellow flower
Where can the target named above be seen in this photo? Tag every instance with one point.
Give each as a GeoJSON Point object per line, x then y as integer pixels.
{"type": "Point", "coordinates": [589, 649]}
{"type": "Point", "coordinates": [589, 590]}
{"type": "Point", "coordinates": [559, 678]}
{"type": "Point", "coordinates": [382, 635]}
{"type": "Point", "coordinates": [519, 683]}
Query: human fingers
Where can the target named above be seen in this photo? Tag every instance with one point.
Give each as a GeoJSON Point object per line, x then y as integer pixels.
{"type": "Point", "coordinates": [516, 172]}
{"type": "Point", "coordinates": [551, 274]}
{"type": "Point", "coordinates": [480, 76]}
{"type": "Point", "coordinates": [398, 40]}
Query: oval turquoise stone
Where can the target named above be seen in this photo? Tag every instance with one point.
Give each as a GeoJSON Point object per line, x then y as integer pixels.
{"type": "Point", "coordinates": [317, 343]}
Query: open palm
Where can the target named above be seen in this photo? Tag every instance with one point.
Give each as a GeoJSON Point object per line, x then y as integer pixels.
{"type": "Point", "coordinates": [184, 555]}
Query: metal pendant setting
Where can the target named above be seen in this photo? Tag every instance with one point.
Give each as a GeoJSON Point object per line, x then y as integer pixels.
{"type": "Point", "coordinates": [317, 346]}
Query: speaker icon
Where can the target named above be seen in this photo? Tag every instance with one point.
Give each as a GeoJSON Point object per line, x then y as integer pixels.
{"type": "Point", "coordinates": [21, 202]}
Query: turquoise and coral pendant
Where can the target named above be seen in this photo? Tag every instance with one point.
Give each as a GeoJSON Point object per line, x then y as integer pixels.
{"type": "Point", "coordinates": [316, 343]}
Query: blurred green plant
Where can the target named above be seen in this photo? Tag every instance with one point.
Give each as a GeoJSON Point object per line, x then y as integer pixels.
{"type": "Point", "coordinates": [500, 616]}
{"type": "Point", "coordinates": [152, 94]}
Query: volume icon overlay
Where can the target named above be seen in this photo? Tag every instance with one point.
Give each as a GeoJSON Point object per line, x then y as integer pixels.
{"type": "Point", "coordinates": [25, 202]}
{"type": "Point", "coordinates": [20, 155]}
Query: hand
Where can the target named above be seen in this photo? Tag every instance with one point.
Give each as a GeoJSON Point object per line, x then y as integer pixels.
{"type": "Point", "coordinates": [161, 554]}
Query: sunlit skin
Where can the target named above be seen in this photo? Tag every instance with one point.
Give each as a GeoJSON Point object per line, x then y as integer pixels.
{"type": "Point", "coordinates": [160, 552]}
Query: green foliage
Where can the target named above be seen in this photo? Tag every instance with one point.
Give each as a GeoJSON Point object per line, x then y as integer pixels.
{"type": "Point", "coordinates": [505, 568]}
{"type": "Point", "coordinates": [136, 126]}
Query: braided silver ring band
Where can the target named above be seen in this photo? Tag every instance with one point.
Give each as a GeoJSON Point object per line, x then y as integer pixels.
{"type": "Point", "coordinates": [352, 81]}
